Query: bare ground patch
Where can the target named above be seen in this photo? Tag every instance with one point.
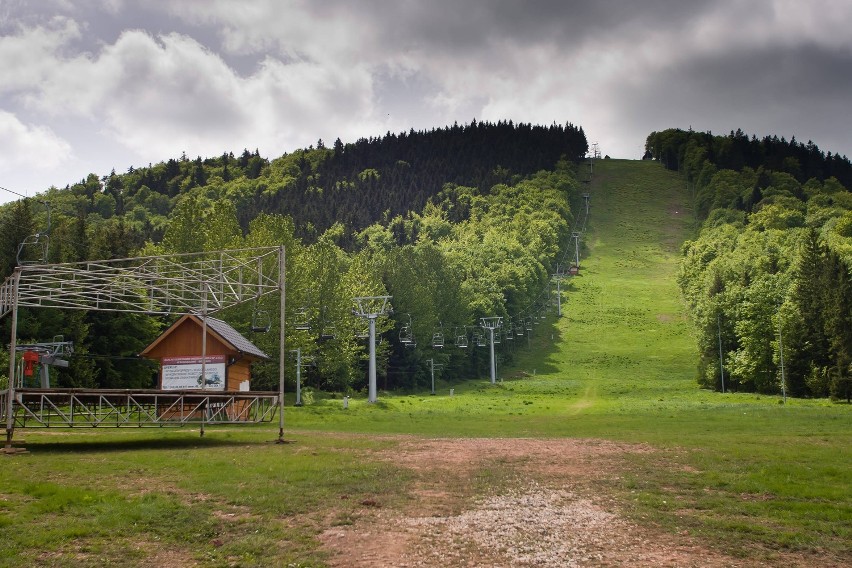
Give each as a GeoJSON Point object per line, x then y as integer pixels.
{"type": "Point", "coordinates": [512, 502]}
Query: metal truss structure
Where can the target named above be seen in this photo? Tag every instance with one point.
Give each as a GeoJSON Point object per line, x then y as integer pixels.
{"type": "Point", "coordinates": [198, 283]}
{"type": "Point", "coordinates": [140, 408]}
{"type": "Point", "coordinates": [194, 282]}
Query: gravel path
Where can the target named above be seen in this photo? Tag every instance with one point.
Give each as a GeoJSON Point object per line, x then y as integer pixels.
{"type": "Point", "coordinates": [551, 518]}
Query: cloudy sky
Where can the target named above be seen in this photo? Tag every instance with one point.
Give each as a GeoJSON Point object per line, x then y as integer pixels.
{"type": "Point", "coordinates": [91, 86]}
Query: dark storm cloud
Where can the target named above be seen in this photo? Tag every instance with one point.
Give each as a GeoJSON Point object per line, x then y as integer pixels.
{"type": "Point", "coordinates": [801, 91]}
{"type": "Point", "coordinates": [146, 80]}
{"type": "Point", "coordinates": [451, 25]}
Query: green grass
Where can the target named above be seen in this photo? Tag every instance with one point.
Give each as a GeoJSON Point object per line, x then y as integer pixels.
{"type": "Point", "coordinates": [107, 497]}
{"type": "Point", "coordinates": [741, 472]}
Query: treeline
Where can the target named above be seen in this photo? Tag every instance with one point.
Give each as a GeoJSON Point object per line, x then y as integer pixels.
{"type": "Point", "coordinates": [371, 180]}
{"type": "Point", "coordinates": [354, 184]}
{"type": "Point", "coordinates": [690, 151]}
{"type": "Point", "coordinates": [483, 248]}
{"type": "Point", "coordinates": [768, 277]}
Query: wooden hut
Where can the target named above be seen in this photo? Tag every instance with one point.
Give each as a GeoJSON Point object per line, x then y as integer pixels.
{"type": "Point", "coordinates": [229, 356]}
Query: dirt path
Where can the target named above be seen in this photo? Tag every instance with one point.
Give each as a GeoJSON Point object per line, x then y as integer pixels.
{"type": "Point", "coordinates": [510, 502]}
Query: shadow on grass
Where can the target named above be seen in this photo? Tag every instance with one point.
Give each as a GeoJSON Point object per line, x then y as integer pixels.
{"type": "Point", "coordinates": [532, 351]}
{"type": "Point", "coordinates": [191, 441]}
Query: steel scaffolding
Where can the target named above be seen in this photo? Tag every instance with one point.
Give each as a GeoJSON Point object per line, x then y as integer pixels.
{"type": "Point", "coordinates": [198, 283]}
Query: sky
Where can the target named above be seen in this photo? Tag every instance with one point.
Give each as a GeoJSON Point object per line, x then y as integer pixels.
{"type": "Point", "coordinates": [92, 86]}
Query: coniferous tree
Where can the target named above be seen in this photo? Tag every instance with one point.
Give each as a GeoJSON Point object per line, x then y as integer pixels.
{"type": "Point", "coordinates": [809, 296]}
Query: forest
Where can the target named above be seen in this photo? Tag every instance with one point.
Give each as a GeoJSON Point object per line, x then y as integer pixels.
{"type": "Point", "coordinates": [455, 224]}
{"type": "Point", "coordinates": [767, 277]}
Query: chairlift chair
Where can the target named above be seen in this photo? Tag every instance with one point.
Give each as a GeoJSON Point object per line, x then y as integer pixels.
{"type": "Point", "coordinates": [438, 337]}
{"type": "Point", "coordinates": [363, 333]}
{"type": "Point", "coordinates": [34, 248]}
{"type": "Point", "coordinates": [509, 332]}
{"type": "Point", "coordinates": [406, 333]}
{"type": "Point", "coordinates": [479, 337]}
{"type": "Point", "coordinates": [303, 322]}
{"type": "Point", "coordinates": [461, 337]}
{"type": "Point", "coordinates": [328, 332]}
{"type": "Point", "coordinates": [260, 321]}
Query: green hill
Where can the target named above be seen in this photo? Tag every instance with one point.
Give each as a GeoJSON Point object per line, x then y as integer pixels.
{"type": "Point", "coordinates": [599, 409]}
{"type": "Point", "coordinates": [626, 333]}
{"type": "Point", "coordinates": [621, 364]}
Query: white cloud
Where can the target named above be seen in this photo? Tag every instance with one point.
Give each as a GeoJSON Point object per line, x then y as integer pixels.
{"type": "Point", "coordinates": [309, 70]}
{"type": "Point", "coordinates": [31, 56]}
{"type": "Point", "coordinates": [170, 93]}
{"type": "Point", "coordinates": [29, 146]}
{"type": "Point", "coordinates": [179, 95]}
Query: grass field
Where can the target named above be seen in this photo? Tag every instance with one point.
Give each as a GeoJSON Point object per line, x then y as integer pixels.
{"type": "Point", "coordinates": [740, 474]}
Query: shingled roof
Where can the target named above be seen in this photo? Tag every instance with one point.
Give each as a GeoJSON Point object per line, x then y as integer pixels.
{"type": "Point", "coordinates": [235, 338]}
{"type": "Point", "coordinates": [224, 332]}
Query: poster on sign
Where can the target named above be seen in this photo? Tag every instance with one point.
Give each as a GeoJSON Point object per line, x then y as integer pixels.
{"type": "Point", "coordinates": [184, 373]}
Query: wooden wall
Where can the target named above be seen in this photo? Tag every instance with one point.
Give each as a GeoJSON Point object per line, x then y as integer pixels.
{"type": "Point", "coordinates": [185, 340]}
{"type": "Point", "coordinates": [237, 373]}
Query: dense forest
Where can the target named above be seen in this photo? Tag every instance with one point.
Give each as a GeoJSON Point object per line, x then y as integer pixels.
{"type": "Point", "coordinates": [455, 223]}
{"type": "Point", "coordinates": [768, 276]}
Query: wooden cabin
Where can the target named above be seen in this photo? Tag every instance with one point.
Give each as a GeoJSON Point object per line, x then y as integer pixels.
{"type": "Point", "coordinates": [229, 356]}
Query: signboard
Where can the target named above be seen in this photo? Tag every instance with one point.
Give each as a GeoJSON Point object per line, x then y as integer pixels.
{"type": "Point", "coordinates": [184, 373]}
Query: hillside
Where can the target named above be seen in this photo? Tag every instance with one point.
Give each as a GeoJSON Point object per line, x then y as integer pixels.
{"type": "Point", "coordinates": [464, 222]}
{"type": "Point", "coordinates": [456, 224]}
{"type": "Point", "coordinates": [744, 474]}
{"type": "Point", "coordinates": [594, 448]}
{"type": "Point", "coordinates": [626, 333]}
{"type": "Point", "coordinates": [624, 340]}
{"type": "Point", "coordinates": [770, 269]}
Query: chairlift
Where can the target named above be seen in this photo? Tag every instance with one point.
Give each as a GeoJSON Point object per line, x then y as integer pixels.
{"type": "Point", "coordinates": [509, 331]}
{"type": "Point", "coordinates": [303, 322]}
{"type": "Point", "coordinates": [328, 332]}
{"type": "Point", "coordinates": [528, 324]}
{"type": "Point", "coordinates": [497, 335]}
{"type": "Point", "coordinates": [479, 337]}
{"type": "Point", "coordinates": [363, 333]}
{"type": "Point", "coordinates": [34, 248]}
{"type": "Point", "coordinates": [260, 321]}
{"type": "Point", "coordinates": [438, 337]}
{"type": "Point", "coordinates": [461, 337]}
{"type": "Point", "coordinates": [406, 333]}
